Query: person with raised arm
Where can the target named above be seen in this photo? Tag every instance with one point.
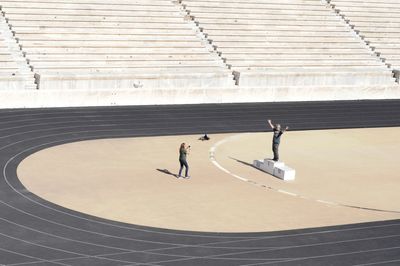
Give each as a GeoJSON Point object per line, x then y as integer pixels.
{"type": "Point", "coordinates": [276, 139]}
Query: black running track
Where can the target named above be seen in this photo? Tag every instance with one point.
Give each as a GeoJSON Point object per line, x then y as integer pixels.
{"type": "Point", "coordinates": [36, 232]}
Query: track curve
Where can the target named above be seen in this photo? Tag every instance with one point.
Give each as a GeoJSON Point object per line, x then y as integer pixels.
{"type": "Point", "coordinates": [36, 232]}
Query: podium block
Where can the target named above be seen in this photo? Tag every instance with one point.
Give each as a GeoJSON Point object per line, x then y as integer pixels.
{"type": "Point", "coordinates": [284, 172]}
{"type": "Point", "coordinates": [269, 165]}
{"type": "Point", "coordinates": [258, 163]}
{"type": "Point", "coordinates": [277, 169]}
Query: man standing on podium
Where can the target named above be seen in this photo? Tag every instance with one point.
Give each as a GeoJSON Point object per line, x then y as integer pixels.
{"type": "Point", "coordinates": [276, 140]}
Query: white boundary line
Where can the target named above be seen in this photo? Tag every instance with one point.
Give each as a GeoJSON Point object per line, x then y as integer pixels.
{"type": "Point", "coordinates": [212, 153]}
{"type": "Point", "coordinates": [214, 161]}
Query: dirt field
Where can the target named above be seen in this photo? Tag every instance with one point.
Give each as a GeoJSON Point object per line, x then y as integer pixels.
{"type": "Point", "coordinates": [127, 180]}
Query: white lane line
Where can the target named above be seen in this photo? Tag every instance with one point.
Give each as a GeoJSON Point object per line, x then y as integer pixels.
{"type": "Point", "coordinates": [272, 249]}
{"type": "Point", "coordinates": [91, 137]}
{"type": "Point", "coordinates": [213, 160]}
{"type": "Point", "coordinates": [83, 218]}
{"type": "Point", "coordinates": [328, 202]}
{"type": "Point", "coordinates": [30, 257]}
{"type": "Point", "coordinates": [66, 238]}
{"type": "Point", "coordinates": [119, 226]}
{"type": "Point", "coordinates": [61, 250]}
{"type": "Point", "coordinates": [326, 256]}
{"type": "Point", "coordinates": [78, 229]}
{"type": "Point", "coordinates": [103, 255]}
{"type": "Point", "coordinates": [378, 262]}
{"type": "Point", "coordinates": [287, 193]}
{"type": "Point", "coordinates": [194, 245]}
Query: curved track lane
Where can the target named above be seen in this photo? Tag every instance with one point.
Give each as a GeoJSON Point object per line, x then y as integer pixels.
{"type": "Point", "coordinates": [36, 232]}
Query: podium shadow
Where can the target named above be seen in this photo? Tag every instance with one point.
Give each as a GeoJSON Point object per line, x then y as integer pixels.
{"type": "Point", "coordinates": [245, 163]}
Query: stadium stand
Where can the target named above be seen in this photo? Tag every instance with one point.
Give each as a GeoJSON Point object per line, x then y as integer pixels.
{"type": "Point", "coordinates": [290, 43]}
{"type": "Point", "coordinates": [98, 44]}
{"type": "Point", "coordinates": [378, 23]}
{"type": "Point", "coordinates": [15, 72]}
{"type": "Point", "coordinates": [145, 52]}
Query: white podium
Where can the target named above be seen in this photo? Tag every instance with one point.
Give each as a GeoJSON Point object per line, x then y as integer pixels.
{"type": "Point", "coordinates": [277, 169]}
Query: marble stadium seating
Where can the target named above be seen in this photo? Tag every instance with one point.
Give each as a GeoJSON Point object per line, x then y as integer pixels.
{"type": "Point", "coordinates": [98, 52]}
{"type": "Point", "coordinates": [290, 43]}
{"type": "Point", "coordinates": [110, 45]}
{"type": "Point", "coordinates": [378, 23]}
{"type": "Point", "coordinates": [15, 73]}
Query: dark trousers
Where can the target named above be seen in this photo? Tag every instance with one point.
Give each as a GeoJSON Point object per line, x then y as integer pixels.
{"type": "Point", "coordinates": [183, 163]}
{"type": "Point", "coordinates": [275, 149]}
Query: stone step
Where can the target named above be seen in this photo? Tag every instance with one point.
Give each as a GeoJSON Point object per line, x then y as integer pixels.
{"type": "Point", "coordinates": [268, 23]}
{"type": "Point", "coordinates": [287, 45]}
{"type": "Point", "coordinates": [304, 61]}
{"type": "Point", "coordinates": [304, 9]}
{"type": "Point", "coordinates": [392, 45]}
{"type": "Point", "coordinates": [112, 6]}
{"type": "Point", "coordinates": [386, 4]}
{"type": "Point", "coordinates": [253, 5]}
{"type": "Point", "coordinates": [387, 51]}
{"type": "Point", "coordinates": [388, 30]}
{"type": "Point", "coordinates": [133, 69]}
{"type": "Point", "coordinates": [107, 37]}
{"type": "Point", "coordinates": [320, 79]}
{"type": "Point", "coordinates": [120, 30]}
{"type": "Point", "coordinates": [264, 19]}
{"type": "Point", "coordinates": [278, 35]}
{"type": "Point", "coordinates": [87, 12]}
{"type": "Point", "coordinates": [79, 24]}
{"type": "Point", "coordinates": [350, 14]}
{"type": "Point", "coordinates": [82, 18]}
{"type": "Point", "coordinates": [384, 40]}
{"type": "Point", "coordinates": [100, 2]}
{"type": "Point", "coordinates": [305, 56]}
{"type": "Point", "coordinates": [372, 18]}
{"type": "Point", "coordinates": [274, 26]}
{"type": "Point", "coordinates": [376, 24]}
{"type": "Point", "coordinates": [8, 64]}
{"type": "Point", "coordinates": [269, 14]}
{"type": "Point", "coordinates": [111, 44]}
{"type": "Point", "coordinates": [264, 39]}
{"type": "Point", "coordinates": [118, 57]}
{"type": "Point", "coordinates": [160, 80]}
{"type": "Point", "coordinates": [10, 70]}
{"type": "Point", "coordinates": [277, 31]}
{"type": "Point", "coordinates": [380, 35]}
{"type": "Point", "coordinates": [6, 57]}
{"type": "Point", "coordinates": [292, 39]}
{"type": "Point", "coordinates": [300, 50]}
{"type": "Point", "coordinates": [111, 50]}
{"type": "Point", "coordinates": [122, 64]}
{"type": "Point", "coordinates": [369, 9]}
{"type": "Point", "coordinates": [320, 70]}
{"type": "Point", "coordinates": [300, 63]}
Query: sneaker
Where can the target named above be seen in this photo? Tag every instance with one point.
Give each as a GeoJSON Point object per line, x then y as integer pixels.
{"type": "Point", "coordinates": [187, 177]}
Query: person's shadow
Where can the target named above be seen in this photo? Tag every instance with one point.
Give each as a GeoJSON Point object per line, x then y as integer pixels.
{"type": "Point", "coordinates": [167, 172]}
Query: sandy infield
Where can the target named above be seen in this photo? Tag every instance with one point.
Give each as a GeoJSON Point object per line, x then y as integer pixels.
{"type": "Point", "coordinates": [126, 180]}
